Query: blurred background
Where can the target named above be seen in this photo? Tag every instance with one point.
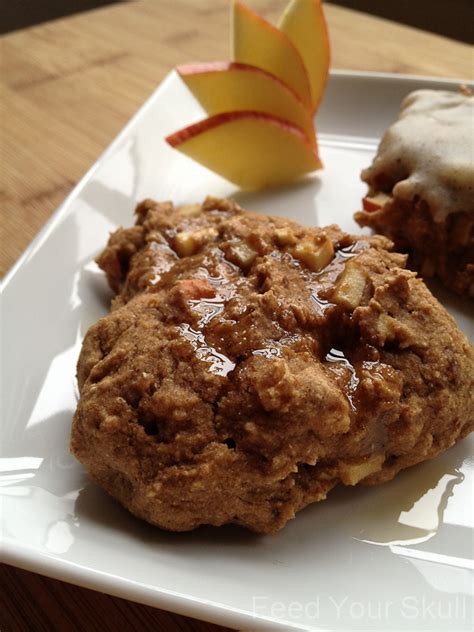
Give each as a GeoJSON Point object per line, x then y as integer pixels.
{"type": "Point", "coordinates": [451, 18]}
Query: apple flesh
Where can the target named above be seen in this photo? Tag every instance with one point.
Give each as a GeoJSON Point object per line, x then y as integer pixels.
{"type": "Point", "coordinates": [228, 87]}
{"type": "Point", "coordinates": [258, 43]}
{"type": "Point", "coordinates": [372, 203]}
{"type": "Point", "coordinates": [304, 23]}
{"type": "Point", "coordinates": [251, 149]}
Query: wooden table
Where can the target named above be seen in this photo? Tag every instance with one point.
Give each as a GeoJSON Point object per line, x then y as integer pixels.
{"type": "Point", "coordinates": [68, 87]}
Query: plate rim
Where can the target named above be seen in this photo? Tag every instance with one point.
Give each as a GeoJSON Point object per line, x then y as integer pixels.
{"type": "Point", "coordinates": [157, 597]}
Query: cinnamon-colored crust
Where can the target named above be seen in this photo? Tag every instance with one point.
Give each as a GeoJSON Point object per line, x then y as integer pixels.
{"type": "Point", "coordinates": [243, 378]}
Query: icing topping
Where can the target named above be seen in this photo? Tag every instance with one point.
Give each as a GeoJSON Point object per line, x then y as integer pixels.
{"type": "Point", "coordinates": [429, 153]}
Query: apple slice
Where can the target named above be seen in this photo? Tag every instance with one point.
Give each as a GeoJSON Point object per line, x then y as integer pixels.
{"type": "Point", "coordinates": [251, 149]}
{"type": "Point", "coordinates": [259, 43]}
{"type": "Point", "coordinates": [228, 87]}
{"type": "Point", "coordinates": [304, 23]}
{"type": "Point", "coordinates": [373, 203]}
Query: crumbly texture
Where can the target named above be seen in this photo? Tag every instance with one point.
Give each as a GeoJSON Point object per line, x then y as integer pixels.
{"type": "Point", "coordinates": [250, 364]}
{"type": "Point", "coordinates": [444, 249]}
{"type": "Point", "coordinates": [424, 174]}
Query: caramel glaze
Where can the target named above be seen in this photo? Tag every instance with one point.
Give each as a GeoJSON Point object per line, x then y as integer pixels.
{"type": "Point", "coordinates": [275, 309]}
{"type": "Point", "coordinates": [249, 364]}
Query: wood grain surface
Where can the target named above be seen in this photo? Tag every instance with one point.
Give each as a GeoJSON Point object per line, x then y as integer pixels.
{"type": "Point", "coordinates": [67, 88]}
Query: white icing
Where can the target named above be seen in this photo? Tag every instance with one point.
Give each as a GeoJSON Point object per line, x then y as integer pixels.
{"type": "Point", "coordinates": [429, 152]}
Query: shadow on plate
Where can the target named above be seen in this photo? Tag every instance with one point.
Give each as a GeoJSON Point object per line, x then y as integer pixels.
{"type": "Point", "coordinates": [375, 512]}
{"type": "Point", "coordinates": [304, 193]}
{"type": "Point", "coordinates": [95, 505]}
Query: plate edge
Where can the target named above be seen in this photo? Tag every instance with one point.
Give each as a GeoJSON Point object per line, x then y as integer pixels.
{"type": "Point", "coordinates": [157, 597]}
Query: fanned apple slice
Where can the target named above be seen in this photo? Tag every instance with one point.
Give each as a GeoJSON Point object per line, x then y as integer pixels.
{"type": "Point", "coordinates": [251, 149]}
{"type": "Point", "coordinates": [228, 87]}
{"type": "Point", "coordinates": [304, 23]}
{"type": "Point", "coordinates": [258, 43]}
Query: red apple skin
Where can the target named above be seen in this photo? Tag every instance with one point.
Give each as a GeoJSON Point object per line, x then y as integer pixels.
{"type": "Point", "coordinates": [267, 25]}
{"type": "Point", "coordinates": [375, 203]}
{"type": "Point", "coordinates": [221, 66]}
{"type": "Point", "coordinates": [327, 46]}
{"type": "Point", "coordinates": [270, 151]}
{"type": "Point", "coordinates": [369, 206]}
{"type": "Point", "coordinates": [184, 134]}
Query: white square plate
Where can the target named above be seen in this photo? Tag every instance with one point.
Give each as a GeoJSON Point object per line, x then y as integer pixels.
{"type": "Point", "coordinates": [395, 556]}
